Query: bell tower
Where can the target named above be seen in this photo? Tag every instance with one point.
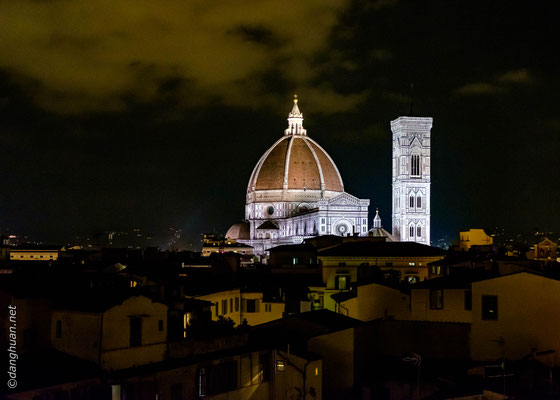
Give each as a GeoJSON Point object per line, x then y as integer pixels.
{"type": "Point", "coordinates": [411, 179]}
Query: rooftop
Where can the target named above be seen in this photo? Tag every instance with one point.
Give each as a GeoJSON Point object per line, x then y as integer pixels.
{"type": "Point", "coordinates": [381, 249]}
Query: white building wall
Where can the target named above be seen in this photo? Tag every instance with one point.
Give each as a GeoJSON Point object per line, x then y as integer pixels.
{"type": "Point", "coordinates": [343, 215]}
{"type": "Point", "coordinates": [411, 138]}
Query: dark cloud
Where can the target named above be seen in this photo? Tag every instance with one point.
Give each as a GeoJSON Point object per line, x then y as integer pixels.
{"type": "Point", "coordinates": [478, 88]}
{"type": "Point", "coordinates": [517, 76]}
{"type": "Point", "coordinates": [154, 113]}
{"type": "Point", "coordinates": [87, 56]}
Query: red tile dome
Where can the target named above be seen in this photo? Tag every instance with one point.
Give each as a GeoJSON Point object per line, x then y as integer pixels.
{"type": "Point", "coordinates": [295, 162]}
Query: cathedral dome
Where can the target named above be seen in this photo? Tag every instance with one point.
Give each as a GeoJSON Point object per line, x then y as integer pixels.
{"type": "Point", "coordinates": [241, 230]}
{"type": "Point", "coordinates": [296, 163]}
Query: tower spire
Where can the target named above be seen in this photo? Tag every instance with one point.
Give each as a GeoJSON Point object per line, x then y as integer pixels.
{"type": "Point", "coordinates": [295, 120]}
{"type": "Point", "coordinates": [377, 219]}
{"type": "Point", "coordinates": [411, 112]}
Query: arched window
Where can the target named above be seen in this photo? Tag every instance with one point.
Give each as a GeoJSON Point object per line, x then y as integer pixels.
{"type": "Point", "coordinates": [415, 165]}
{"type": "Point", "coordinates": [411, 231]}
{"type": "Point", "coordinates": [411, 202]}
{"type": "Point", "coordinates": [419, 231]}
{"type": "Point", "coordinates": [419, 202]}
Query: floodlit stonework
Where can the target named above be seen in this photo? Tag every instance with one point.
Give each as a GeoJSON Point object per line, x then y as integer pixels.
{"type": "Point", "coordinates": [411, 179]}
{"type": "Point", "coordinates": [296, 192]}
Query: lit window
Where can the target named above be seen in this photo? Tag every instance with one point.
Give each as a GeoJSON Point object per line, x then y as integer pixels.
{"type": "Point", "coordinates": [342, 282]}
{"type": "Point", "coordinates": [490, 308]}
{"type": "Point", "coordinates": [280, 365]}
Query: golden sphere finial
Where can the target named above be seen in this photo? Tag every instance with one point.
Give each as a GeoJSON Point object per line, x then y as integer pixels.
{"type": "Point", "coordinates": [295, 98]}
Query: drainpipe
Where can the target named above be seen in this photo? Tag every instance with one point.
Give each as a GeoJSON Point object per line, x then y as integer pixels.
{"type": "Point", "coordinates": [305, 379]}
{"type": "Point", "coordinates": [116, 392]}
{"type": "Point", "coordinates": [302, 372]}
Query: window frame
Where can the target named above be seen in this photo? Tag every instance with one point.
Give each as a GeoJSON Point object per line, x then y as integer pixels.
{"type": "Point", "coordinates": [415, 169]}
{"type": "Point", "coordinates": [468, 299]}
{"type": "Point", "coordinates": [135, 324]}
{"type": "Point", "coordinates": [486, 313]}
{"type": "Point", "coordinates": [433, 304]}
{"type": "Point", "coordinates": [346, 282]}
{"type": "Point", "coordinates": [58, 329]}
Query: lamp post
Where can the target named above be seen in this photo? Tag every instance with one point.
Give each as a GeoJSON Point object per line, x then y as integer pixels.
{"type": "Point", "coordinates": [416, 360]}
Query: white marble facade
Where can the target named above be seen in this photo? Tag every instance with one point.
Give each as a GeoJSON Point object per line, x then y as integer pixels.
{"type": "Point", "coordinates": [411, 179]}
{"type": "Point", "coordinates": [296, 192]}
{"type": "Point", "coordinates": [342, 215]}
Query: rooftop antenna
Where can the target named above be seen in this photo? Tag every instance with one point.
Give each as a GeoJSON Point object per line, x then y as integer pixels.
{"type": "Point", "coordinates": [411, 99]}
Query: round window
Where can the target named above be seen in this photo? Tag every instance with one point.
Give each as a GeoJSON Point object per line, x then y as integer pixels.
{"type": "Point", "coordinates": [342, 228]}
{"type": "Point", "coordinates": [270, 210]}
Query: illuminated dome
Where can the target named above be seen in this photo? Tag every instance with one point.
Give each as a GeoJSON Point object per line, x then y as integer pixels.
{"type": "Point", "coordinates": [296, 192]}
{"type": "Point", "coordinates": [295, 164]}
{"type": "Point", "coordinates": [238, 231]}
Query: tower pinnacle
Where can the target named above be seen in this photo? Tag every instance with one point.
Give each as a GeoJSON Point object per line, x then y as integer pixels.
{"type": "Point", "coordinates": [377, 219]}
{"type": "Point", "coordinates": [295, 120]}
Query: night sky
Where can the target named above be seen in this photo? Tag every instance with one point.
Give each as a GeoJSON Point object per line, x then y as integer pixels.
{"type": "Point", "coordinates": [134, 113]}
